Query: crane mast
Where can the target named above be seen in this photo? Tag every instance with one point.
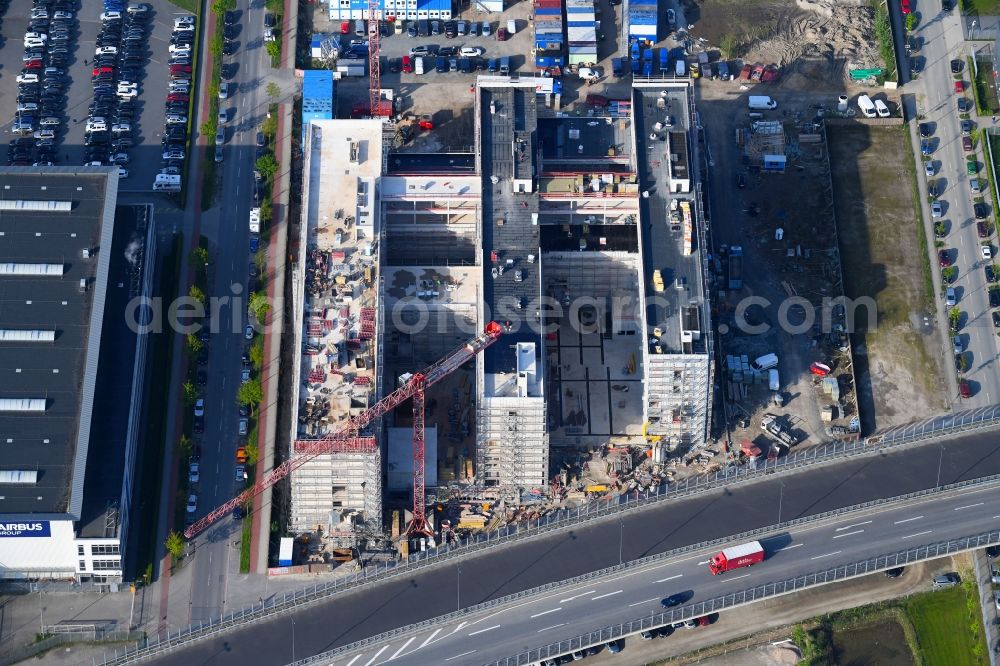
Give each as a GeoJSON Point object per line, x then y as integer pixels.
{"type": "Point", "coordinates": [347, 439]}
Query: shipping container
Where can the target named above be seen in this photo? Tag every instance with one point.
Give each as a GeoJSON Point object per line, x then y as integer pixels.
{"type": "Point", "coordinates": [581, 35]}
{"type": "Point", "coordinates": [546, 11]}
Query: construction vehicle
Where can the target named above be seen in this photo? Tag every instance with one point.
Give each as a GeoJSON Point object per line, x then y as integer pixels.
{"type": "Point", "coordinates": [255, 220]}
{"type": "Point", "coordinates": [349, 439]}
{"type": "Point", "coordinates": [657, 281]}
{"type": "Point", "coordinates": [736, 557]}
{"type": "Point", "coordinates": [241, 455]}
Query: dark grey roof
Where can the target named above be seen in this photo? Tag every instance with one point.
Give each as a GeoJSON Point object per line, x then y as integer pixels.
{"type": "Point", "coordinates": [53, 442]}
{"type": "Point", "coordinates": [508, 132]}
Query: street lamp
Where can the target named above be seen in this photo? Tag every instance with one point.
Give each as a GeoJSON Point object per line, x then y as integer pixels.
{"type": "Point", "coordinates": [940, 461]}
{"type": "Point", "coordinates": [781, 497]}
{"type": "Point", "coordinates": [458, 590]}
{"type": "Point", "coordinates": [293, 637]}
{"type": "Point", "coordinates": [621, 538]}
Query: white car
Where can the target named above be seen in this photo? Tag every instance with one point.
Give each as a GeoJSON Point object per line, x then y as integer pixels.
{"type": "Point", "coordinates": [245, 375]}
{"type": "Point", "coordinates": [106, 50]}
{"type": "Point", "coordinates": [248, 332]}
{"type": "Point", "coordinates": [881, 109]}
{"type": "Point", "coordinates": [244, 425]}
{"type": "Point", "coordinates": [223, 116]}
{"type": "Point", "coordinates": [45, 134]}
{"type": "Point", "coordinates": [471, 51]}
{"type": "Point", "coordinates": [36, 36]}
{"type": "Point", "coordinates": [199, 407]}
{"type": "Point", "coordinates": [111, 16]}
{"type": "Point", "coordinates": [27, 78]}
{"type": "Point", "coordinates": [97, 127]}
{"type": "Point", "coordinates": [176, 49]}
{"type": "Point", "coordinates": [183, 20]}
{"type": "Point", "coordinates": [183, 28]}
{"type": "Point", "coordinates": [193, 473]}
{"type": "Point", "coordinates": [39, 13]}
{"type": "Point", "coordinates": [176, 120]}
{"type": "Point", "coordinates": [122, 172]}
{"type": "Point", "coordinates": [63, 15]}
{"type": "Point", "coordinates": [224, 90]}
{"type": "Point", "coordinates": [987, 251]}
{"type": "Point", "coordinates": [50, 121]}
{"type": "Point", "coordinates": [996, 600]}
{"type": "Point", "coordinates": [192, 504]}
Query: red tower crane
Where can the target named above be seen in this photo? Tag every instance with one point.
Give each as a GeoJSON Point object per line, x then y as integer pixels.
{"type": "Point", "coordinates": [376, 107]}
{"type": "Point", "coordinates": [347, 439]}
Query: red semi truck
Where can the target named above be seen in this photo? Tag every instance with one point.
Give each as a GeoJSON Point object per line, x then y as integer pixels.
{"type": "Point", "coordinates": [735, 557]}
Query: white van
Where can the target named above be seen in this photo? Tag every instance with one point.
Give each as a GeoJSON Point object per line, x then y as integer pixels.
{"type": "Point", "coordinates": [680, 67]}
{"type": "Point", "coordinates": [765, 362]}
{"type": "Point", "coordinates": [167, 183]}
{"type": "Point", "coordinates": [511, 27]}
{"type": "Point", "coordinates": [773, 382]}
{"type": "Point", "coordinates": [761, 103]}
{"type": "Point", "coordinates": [866, 106]}
{"type": "Point", "coordinates": [418, 64]}
{"type": "Point", "coordinates": [587, 73]}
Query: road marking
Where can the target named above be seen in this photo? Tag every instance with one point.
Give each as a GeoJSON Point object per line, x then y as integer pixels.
{"type": "Point", "coordinates": [430, 638]}
{"type": "Point", "coordinates": [836, 552]}
{"type": "Point", "coordinates": [968, 506]}
{"type": "Point", "coordinates": [351, 662]}
{"type": "Point", "coordinates": [789, 547]}
{"type": "Point", "coordinates": [609, 594]}
{"type": "Point", "coordinates": [377, 654]}
{"type": "Point", "coordinates": [554, 626]}
{"type": "Point", "coordinates": [841, 529]}
{"type": "Point", "coordinates": [910, 536]}
{"type": "Point", "coordinates": [460, 655]}
{"type": "Point", "coordinates": [546, 612]}
{"type": "Point", "coordinates": [483, 631]}
{"type": "Point", "coordinates": [404, 646]}
{"type": "Point", "coordinates": [639, 603]}
{"type": "Point", "coordinates": [576, 596]}
{"type": "Point", "coordinates": [664, 580]}
{"type": "Point", "coordinates": [837, 536]}
{"type": "Point", "coordinates": [705, 562]}
{"type": "Point", "coordinates": [738, 577]}
{"type": "Point", "coordinates": [907, 520]}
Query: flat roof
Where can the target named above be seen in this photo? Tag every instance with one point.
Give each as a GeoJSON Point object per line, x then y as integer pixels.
{"type": "Point", "coordinates": [54, 442]}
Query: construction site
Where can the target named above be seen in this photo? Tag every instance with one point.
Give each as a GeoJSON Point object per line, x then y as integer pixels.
{"type": "Point", "coordinates": [487, 337]}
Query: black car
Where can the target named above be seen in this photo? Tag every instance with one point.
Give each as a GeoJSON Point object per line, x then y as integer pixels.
{"type": "Point", "coordinates": [996, 319]}
{"type": "Point", "coordinates": [981, 211]}
{"type": "Point", "coordinates": [926, 130]}
{"type": "Point", "coordinates": [994, 293]}
{"type": "Point", "coordinates": [450, 29]}
{"type": "Point", "coordinates": [441, 64]}
{"type": "Point", "coordinates": [894, 573]}
{"type": "Point", "coordinates": [230, 31]}
{"type": "Point", "coordinates": [229, 48]}
{"type": "Point", "coordinates": [447, 51]}
{"type": "Point", "coordinates": [956, 66]}
{"type": "Point", "coordinates": [991, 275]}
{"type": "Point", "coordinates": [229, 18]}
{"type": "Point", "coordinates": [672, 600]}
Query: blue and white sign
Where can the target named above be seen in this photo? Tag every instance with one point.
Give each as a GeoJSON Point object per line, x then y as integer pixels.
{"type": "Point", "coordinates": [38, 528]}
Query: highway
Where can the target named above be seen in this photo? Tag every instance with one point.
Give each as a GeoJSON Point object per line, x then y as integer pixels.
{"type": "Point", "coordinates": [432, 592]}
{"type": "Point", "coordinates": [942, 42]}
{"type": "Point", "coordinates": [548, 617]}
{"type": "Point", "coordinates": [217, 550]}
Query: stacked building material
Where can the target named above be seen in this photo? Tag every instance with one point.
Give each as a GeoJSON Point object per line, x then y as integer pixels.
{"type": "Point", "coordinates": [581, 32]}
{"type": "Point", "coordinates": [549, 34]}
{"type": "Point", "coordinates": [642, 20]}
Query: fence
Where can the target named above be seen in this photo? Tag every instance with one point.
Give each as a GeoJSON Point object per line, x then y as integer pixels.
{"type": "Point", "coordinates": [901, 437]}
{"type": "Point", "coordinates": [695, 610]}
{"type": "Point", "coordinates": [93, 635]}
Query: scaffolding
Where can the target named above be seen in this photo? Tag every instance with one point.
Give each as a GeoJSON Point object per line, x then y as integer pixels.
{"type": "Point", "coordinates": [512, 445]}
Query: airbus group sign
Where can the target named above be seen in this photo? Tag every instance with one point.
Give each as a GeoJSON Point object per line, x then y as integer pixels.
{"type": "Point", "coordinates": [38, 528]}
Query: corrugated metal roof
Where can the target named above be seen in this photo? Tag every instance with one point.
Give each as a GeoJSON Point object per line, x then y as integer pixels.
{"type": "Point", "coordinates": [742, 550]}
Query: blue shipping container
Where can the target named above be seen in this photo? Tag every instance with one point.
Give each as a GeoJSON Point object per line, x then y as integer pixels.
{"type": "Point", "coordinates": [547, 11]}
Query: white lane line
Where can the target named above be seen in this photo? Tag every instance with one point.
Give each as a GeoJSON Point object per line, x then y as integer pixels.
{"type": "Point", "coordinates": [738, 577]}
{"type": "Point", "coordinates": [836, 552]}
{"type": "Point", "coordinates": [639, 603]}
{"type": "Point", "coordinates": [404, 646]}
{"type": "Point", "coordinates": [968, 506]}
{"type": "Point", "coordinates": [576, 596]}
{"type": "Point", "coordinates": [430, 638]}
{"type": "Point", "coordinates": [546, 612]}
{"type": "Point", "coordinates": [841, 529]}
{"type": "Point", "coordinates": [460, 655]}
{"type": "Point", "coordinates": [377, 655]}
{"type": "Point", "coordinates": [483, 631]}
{"type": "Point", "coordinates": [609, 594]}
{"type": "Point", "coordinates": [351, 662]}
{"type": "Point", "coordinates": [664, 580]}
{"type": "Point", "coordinates": [705, 562]}
{"type": "Point", "coordinates": [554, 626]}
{"type": "Point", "coordinates": [910, 536]}
{"type": "Point", "coordinates": [790, 547]}
{"type": "Point", "coordinates": [837, 536]}
{"type": "Point", "coordinates": [908, 520]}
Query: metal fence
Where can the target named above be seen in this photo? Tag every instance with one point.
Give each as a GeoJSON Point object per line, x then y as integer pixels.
{"type": "Point", "coordinates": [901, 437]}
{"type": "Point", "coordinates": [65, 638]}
{"type": "Point", "coordinates": [695, 610]}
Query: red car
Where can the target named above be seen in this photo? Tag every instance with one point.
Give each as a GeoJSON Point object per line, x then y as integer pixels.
{"type": "Point", "coordinates": [102, 70]}
{"type": "Point", "coordinates": [904, 5]}
{"type": "Point", "coordinates": [177, 97]}
{"type": "Point", "coordinates": [943, 259]}
{"type": "Point", "coordinates": [345, 27]}
{"type": "Point", "coordinates": [33, 64]}
{"type": "Point", "coordinates": [501, 34]}
{"type": "Point", "coordinates": [964, 389]}
{"type": "Point", "coordinates": [959, 87]}
{"type": "Point", "coordinates": [177, 69]}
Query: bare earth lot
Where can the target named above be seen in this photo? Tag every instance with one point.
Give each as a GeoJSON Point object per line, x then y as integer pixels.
{"type": "Point", "coordinates": [882, 258]}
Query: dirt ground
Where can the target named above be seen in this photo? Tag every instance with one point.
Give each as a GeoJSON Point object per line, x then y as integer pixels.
{"type": "Point", "coordinates": [815, 42]}
{"type": "Point", "coordinates": [883, 259]}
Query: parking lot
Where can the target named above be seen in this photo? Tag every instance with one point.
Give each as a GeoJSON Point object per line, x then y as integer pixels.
{"type": "Point", "coordinates": [149, 118]}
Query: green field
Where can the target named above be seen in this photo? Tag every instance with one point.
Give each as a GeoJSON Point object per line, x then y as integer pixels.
{"type": "Point", "coordinates": [944, 622]}
{"type": "Point", "coordinates": [984, 7]}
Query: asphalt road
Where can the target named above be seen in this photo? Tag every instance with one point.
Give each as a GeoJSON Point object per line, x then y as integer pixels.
{"type": "Point", "coordinates": [437, 591]}
{"type": "Point", "coordinates": [217, 549]}
{"type": "Point", "coordinates": [545, 618]}
{"type": "Point", "coordinates": [942, 42]}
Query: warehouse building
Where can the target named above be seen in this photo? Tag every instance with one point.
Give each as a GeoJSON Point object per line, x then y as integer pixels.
{"type": "Point", "coordinates": [74, 366]}
{"type": "Point", "coordinates": [318, 97]}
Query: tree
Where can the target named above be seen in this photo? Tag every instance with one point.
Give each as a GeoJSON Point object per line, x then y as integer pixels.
{"type": "Point", "coordinates": [199, 257]}
{"type": "Point", "coordinates": [197, 294]}
{"type": "Point", "coordinates": [273, 90]}
{"type": "Point", "coordinates": [174, 545]}
{"type": "Point", "coordinates": [273, 49]}
{"type": "Point", "coordinates": [215, 46]}
{"type": "Point", "coordinates": [184, 446]}
{"type": "Point", "coordinates": [207, 128]}
{"type": "Point", "coordinates": [250, 394]}
{"type": "Point", "coordinates": [267, 165]}
{"type": "Point", "coordinates": [270, 126]}
{"type": "Point", "coordinates": [220, 7]}
{"type": "Point", "coordinates": [190, 393]}
{"type": "Point", "coordinates": [729, 45]}
{"type": "Point", "coordinates": [257, 353]}
{"type": "Point", "coordinates": [260, 259]}
{"type": "Point", "coordinates": [252, 451]}
{"type": "Point", "coordinates": [259, 306]}
{"type": "Point", "coordinates": [194, 343]}
{"type": "Point", "coordinates": [911, 22]}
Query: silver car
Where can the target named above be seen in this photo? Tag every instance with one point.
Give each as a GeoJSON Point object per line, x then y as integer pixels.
{"type": "Point", "coordinates": [950, 579]}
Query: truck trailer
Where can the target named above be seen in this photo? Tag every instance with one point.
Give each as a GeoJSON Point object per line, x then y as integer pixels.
{"type": "Point", "coordinates": [736, 267]}
{"type": "Point", "coordinates": [735, 557]}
